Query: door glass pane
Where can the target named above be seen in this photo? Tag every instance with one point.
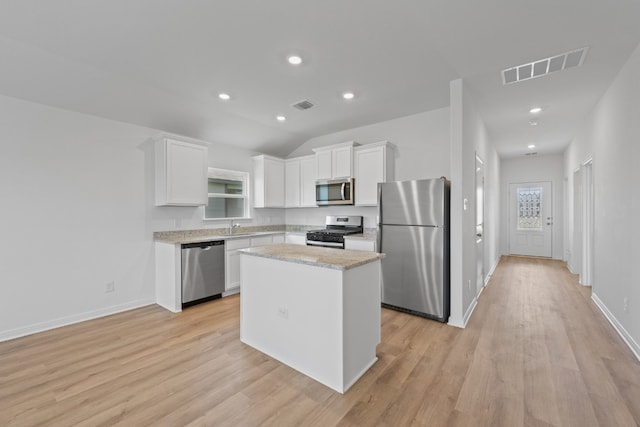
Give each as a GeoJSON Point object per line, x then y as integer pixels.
{"type": "Point", "coordinates": [224, 186]}
{"type": "Point", "coordinates": [530, 208]}
{"type": "Point", "coordinates": [220, 207]}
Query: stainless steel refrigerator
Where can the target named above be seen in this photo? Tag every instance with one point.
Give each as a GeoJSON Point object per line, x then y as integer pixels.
{"type": "Point", "coordinates": [413, 233]}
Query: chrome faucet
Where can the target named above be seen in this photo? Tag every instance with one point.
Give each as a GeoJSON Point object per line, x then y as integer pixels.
{"type": "Point", "coordinates": [233, 226]}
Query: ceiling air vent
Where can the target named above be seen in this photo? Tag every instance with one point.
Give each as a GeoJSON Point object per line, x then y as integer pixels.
{"type": "Point", "coordinates": [545, 66]}
{"type": "Point", "coordinates": [533, 153]}
{"type": "Point", "coordinates": [303, 105]}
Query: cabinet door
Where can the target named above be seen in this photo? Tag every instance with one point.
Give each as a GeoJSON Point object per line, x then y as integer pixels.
{"type": "Point", "coordinates": [308, 182]}
{"type": "Point", "coordinates": [292, 183]}
{"type": "Point", "coordinates": [323, 164]}
{"type": "Point", "coordinates": [369, 172]}
{"type": "Point", "coordinates": [181, 173]}
{"type": "Point", "coordinates": [232, 264]}
{"type": "Point", "coordinates": [274, 183]}
{"type": "Point", "coordinates": [278, 238]}
{"type": "Point", "coordinates": [342, 162]}
{"type": "Point", "coordinates": [232, 273]}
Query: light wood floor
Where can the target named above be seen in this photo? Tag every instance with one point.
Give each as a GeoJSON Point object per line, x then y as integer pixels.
{"type": "Point", "coordinates": [536, 352]}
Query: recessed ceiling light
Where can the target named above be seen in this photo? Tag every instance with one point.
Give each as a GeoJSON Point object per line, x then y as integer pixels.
{"type": "Point", "coordinates": [348, 95]}
{"type": "Point", "coordinates": [281, 118]}
{"type": "Point", "coordinates": [531, 146]}
{"type": "Point", "coordinates": [294, 60]}
{"type": "Point", "coordinates": [224, 96]}
{"type": "Point", "coordinates": [535, 110]}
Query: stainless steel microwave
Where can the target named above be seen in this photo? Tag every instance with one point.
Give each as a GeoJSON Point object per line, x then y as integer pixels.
{"type": "Point", "coordinates": [334, 192]}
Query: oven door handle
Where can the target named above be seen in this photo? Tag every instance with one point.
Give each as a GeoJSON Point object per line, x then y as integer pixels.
{"type": "Point", "coordinates": [329, 244]}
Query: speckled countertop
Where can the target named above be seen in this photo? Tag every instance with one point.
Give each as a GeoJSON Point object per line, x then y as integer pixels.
{"type": "Point", "coordinates": [337, 259]}
{"type": "Point", "coordinates": [206, 234]}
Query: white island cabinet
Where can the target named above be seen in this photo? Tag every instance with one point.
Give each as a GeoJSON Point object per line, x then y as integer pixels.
{"type": "Point", "coordinates": [314, 309]}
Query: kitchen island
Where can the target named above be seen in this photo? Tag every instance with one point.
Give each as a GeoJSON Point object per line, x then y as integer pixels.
{"type": "Point", "coordinates": [314, 309]}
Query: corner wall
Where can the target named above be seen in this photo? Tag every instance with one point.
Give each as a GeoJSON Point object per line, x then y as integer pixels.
{"type": "Point", "coordinates": [78, 212]}
{"type": "Point", "coordinates": [469, 137]}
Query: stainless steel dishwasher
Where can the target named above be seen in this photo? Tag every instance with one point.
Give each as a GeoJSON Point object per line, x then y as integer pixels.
{"type": "Point", "coordinates": [202, 271]}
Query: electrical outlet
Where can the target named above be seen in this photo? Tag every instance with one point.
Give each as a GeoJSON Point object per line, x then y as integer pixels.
{"type": "Point", "coordinates": [283, 312]}
{"type": "Point", "coordinates": [110, 287]}
{"type": "Point", "coordinates": [626, 304]}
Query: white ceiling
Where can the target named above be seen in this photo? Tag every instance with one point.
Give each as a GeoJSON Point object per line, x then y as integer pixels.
{"type": "Point", "coordinates": [161, 63]}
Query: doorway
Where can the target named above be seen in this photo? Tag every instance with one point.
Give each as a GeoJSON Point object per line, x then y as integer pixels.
{"type": "Point", "coordinates": [530, 219]}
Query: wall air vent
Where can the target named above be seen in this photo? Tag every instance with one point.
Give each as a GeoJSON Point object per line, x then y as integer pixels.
{"type": "Point", "coordinates": [303, 105]}
{"type": "Point", "coordinates": [545, 66]}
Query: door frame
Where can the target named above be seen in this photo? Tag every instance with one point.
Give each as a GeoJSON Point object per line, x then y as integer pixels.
{"type": "Point", "coordinates": [586, 273]}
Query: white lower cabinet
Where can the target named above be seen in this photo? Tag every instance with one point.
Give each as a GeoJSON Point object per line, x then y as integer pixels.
{"type": "Point", "coordinates": [359, 244]}
{"type": "Point", "coordinates": [296, 239]}
{"type": "Point", "coordinates": [232, 261]}
{"type": "Point", "coordinates": [232, 264]}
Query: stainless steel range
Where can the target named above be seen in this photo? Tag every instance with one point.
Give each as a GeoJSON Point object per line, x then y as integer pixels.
{"type": "Point", "coordinates": [333, 235]}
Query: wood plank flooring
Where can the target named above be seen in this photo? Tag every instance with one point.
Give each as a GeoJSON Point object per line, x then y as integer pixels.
{"type": "Point", "coordinates": [537, 352]}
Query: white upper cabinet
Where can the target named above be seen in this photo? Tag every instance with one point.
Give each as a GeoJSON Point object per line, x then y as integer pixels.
{"type": "Point", "coordinates": [268, 182]}
{"type": "Point", "coordinates": [181, 173]}
{"type": "Point", "coordinates": [300, 182]}
{"type": "Point", "coordinates": [308, 178]}
{"type": "Point", "coordinates": [374, 163]}
{"type": "Point", "coordinates": [292, 183]}
{"type": "Point", "coordinates": [335, 161]}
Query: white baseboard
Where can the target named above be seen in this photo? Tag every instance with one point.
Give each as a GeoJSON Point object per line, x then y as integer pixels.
{"type": "Point", "coordinates": [571, 269]}
{"type": "Point", "coordinates": [469, 312]}
{"type": "Point", "coordinates": [69, 320]}
{"type": "Point", "coordinates": [465, 319]}
{"type": "Point", "coordinates": [493, 269]}
{"type": "Point", "coordinates": [626, 337]}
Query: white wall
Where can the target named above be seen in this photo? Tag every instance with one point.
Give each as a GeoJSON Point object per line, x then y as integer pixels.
{"type": "Point", "coordinates": [421, 151]}
{"type": "Point", "coordinates": [611, 133]}
{"type": "Point", "coordinates": [532, 169]}
{"type": "Point", "coordinates": [469, 137]}
{"type": "Point", "coordinates": [77, 212]}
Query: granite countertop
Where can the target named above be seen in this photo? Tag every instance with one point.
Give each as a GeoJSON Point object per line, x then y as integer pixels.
{"type": "Point", "coordinates": [207, 234]}
{"type": "Point", "coordinates": [337, 259]}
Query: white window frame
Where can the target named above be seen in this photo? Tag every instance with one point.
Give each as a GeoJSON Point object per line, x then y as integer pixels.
{"type": "Point", "coordinates": [217, 173]}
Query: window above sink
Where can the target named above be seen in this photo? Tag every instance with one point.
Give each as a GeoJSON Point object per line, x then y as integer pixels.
{"type": "Point", "coordinates": [228, 194]}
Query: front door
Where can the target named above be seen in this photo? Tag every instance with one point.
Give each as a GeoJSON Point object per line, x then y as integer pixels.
{"type": "Point", "coordinates": [530, 218]}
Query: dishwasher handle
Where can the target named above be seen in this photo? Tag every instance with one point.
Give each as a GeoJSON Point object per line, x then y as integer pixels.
{"type": "Point", "coordinates": [203, 245]}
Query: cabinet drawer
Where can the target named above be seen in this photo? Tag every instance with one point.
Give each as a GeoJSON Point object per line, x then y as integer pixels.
{"type": "Point", "coordinates": [261, 241]}
{"type": "Point", "coordinates": [233, 244]}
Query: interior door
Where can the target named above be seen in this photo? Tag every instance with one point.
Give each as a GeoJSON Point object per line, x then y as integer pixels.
{"type": "Point", "coordinates": [479, 224]}
{"type": "Point", "coordinates": [530, 219]}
